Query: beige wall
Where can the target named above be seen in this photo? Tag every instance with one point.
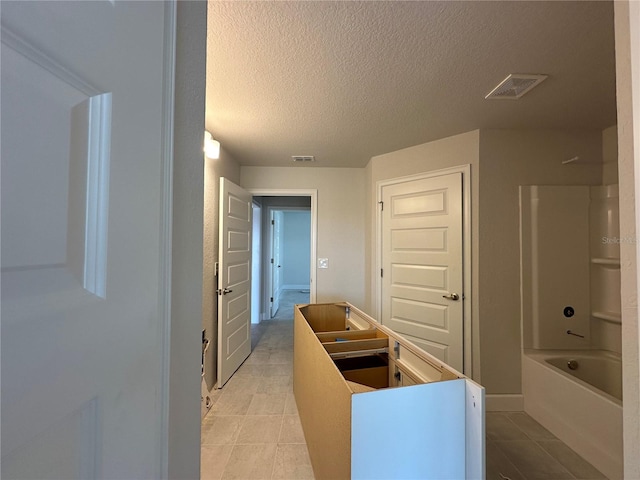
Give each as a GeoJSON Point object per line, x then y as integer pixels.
{"type": "Point", "coordinates": [610, 156]}
{"type": "Point", "coordinates": [340, 223]}
{"type": "Point", "coordinates": [501, 160]}
{"type": "Point", "coordinates": [627, 28]}
{"type": "Point", "coordinates": [509, 158]}
{"type": "Point", "coordinates": [449, 152]}
{"type": "Point", "coordinates": [226, 167]}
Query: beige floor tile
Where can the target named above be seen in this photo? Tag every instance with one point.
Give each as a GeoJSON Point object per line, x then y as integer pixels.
{"type": "Point", "coordinates": [260, 429]}
{"type": "Point", "coordinates": [290, 407]}
{"type": "Point", "coordinates": [232, 404]}
{"type": "Point", "coordinates": [250, 462]}
{"type": "Point", "coordinates": [532, 461]}
{"type": "Point", "coordinates": [570, 460]}
{"type": "Point", "coordinates": [257, 358]}
{"type": "Point", "coordinates": [529, 426]}
{"type": "Point", "coordinates": [277, 384]}
{"type": "Point", "coordinates": [222, 430]}
{"type": "Point", "coordinates": [267, 404]}
{"type": "Point", "coordinates": [241, 384]}
{"type": "Point", "coordinates": [500, 428]}
{"type": "Point", "coordinates": [291, 430]}
{"type": "Point", "coordinates": [498, 466]}
{"type": "Point", "coordinates": [292, 462]}
{"type": "Point", "coordinates": [250, 371]}
{"type": "Point", "coordinates": [213, 460]}
{"type": "Point", "coordinates": [286, 341]}
{"type": "Point", "coordinates": [277, 370]}
{"type": "Point", "coordinates": [280, 357]}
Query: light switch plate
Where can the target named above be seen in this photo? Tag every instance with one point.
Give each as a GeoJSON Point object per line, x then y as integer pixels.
{"type": "Point", "coordinates": [323, 263]}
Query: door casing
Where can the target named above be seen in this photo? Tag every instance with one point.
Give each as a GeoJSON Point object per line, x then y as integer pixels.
{"type": "Point", "coordinates": [313, 194]}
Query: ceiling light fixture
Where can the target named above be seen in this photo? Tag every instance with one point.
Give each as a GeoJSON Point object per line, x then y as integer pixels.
{"type": "Point", "coordinates": [211, 146]}
{"type": "Point", "coordinates": [515, 86]}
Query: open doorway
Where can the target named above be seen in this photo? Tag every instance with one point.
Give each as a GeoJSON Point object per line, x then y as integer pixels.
{"type": "Point", "coordinates": [284, 256]}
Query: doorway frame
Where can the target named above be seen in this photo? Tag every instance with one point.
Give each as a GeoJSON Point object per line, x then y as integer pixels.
{"type": "Point", "coordinates": [268, 290]}
{"type": "Point", "coordinates": [313, 194]}
{"type": "Point", "coordinates": [471, 351]}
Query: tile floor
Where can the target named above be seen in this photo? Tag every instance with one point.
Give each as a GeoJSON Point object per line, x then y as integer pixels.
{"type": "Point", "coordinates": [253, 430]}
{"type": "Point", "coordinates": [519, 448]}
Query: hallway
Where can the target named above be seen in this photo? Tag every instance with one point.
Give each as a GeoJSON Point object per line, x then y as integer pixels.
{"type": "Point", "coordinates": [253, 430]}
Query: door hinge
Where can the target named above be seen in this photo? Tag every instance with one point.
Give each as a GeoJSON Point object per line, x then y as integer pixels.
{"type": "Point", "coordinates": [381, 273]}
{"type": "Point", "coordinates": [272, 260]}
{"type": "Point", "coordinates": [215, 269]}
{"type": "Point", "coordinates": [273, 222]}
{"type": "Point", "coordinates": [381, 205]}
{"type": "Point", "coordinates": [271, 299]}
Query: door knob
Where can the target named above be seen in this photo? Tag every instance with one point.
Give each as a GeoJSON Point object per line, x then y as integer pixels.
{"type": "Point", "coordinates": [224, 291]}
{"type": "Point", "coordinates": [452, 296]}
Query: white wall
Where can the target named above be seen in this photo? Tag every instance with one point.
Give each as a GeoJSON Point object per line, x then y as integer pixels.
{"type": "Point", "coordinates": [186, 264]}
{"type": "Point", "coordinates": [555, 265]}
{"type": "Point", "coordinates": [627, 28]}
{"type": "Point", "coordinates": [256, 266]}
{"type": "Point", "coordinates": [296, 249]}
{"type": "Point", "coordinates": [340, 222]}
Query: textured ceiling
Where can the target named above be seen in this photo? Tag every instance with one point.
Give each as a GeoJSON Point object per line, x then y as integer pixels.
{"type": "Point", "coordinates": [346, 81]}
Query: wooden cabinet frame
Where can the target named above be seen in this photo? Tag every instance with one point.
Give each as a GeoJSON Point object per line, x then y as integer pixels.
{"type": "Point", "coordinates": [426, 421]}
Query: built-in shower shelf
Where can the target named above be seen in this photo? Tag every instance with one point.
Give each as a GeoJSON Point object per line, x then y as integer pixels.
{"type": "Point", "coordinates": [614, 317]}
{"type": "Point", "coordinates": [606, 261]}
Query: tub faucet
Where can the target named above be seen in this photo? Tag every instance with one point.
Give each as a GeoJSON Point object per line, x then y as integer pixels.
{"type": "Point", "coordinates": [569, 332]}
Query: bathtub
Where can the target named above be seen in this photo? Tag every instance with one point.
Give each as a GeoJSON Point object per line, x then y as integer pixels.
{"type": "Point", "coordinates": [581, 406]}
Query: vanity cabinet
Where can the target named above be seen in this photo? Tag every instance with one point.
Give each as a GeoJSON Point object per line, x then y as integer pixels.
{"type": "Point", "coordinates": [375, 406]}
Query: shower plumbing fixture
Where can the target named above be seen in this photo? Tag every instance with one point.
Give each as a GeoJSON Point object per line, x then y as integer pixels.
{"type": "Point", "coordinates": [572, 364]}
{"type": "Point", "coordinates": [571, 160]}
{"type": "Point", "coordinates": [569, 332]}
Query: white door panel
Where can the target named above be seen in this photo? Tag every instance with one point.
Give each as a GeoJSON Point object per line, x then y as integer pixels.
{"type": "Point", "coordinates": [422, 263]}
{"type": "Point", "coordinates": [234, 279]}
{"type": "Point", "coordinates": [82, 333]}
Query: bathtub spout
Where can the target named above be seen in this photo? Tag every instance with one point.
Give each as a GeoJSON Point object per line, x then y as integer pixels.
{"type": "Point", "coordinates": [569, 332]}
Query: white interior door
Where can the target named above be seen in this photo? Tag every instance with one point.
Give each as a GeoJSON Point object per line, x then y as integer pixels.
{"type": "Point", "coordinates": [82, 166]}
{"type": "Point", "coordinates": [276, 260]}
{"type": "Point", "coordinates": [234, 279]}
{"type": "Point", "coordinates": [422, 276]}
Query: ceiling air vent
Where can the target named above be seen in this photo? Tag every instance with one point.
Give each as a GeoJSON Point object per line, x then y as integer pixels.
{"type": "Point", "coordinates": [304, 158]}
{"type": "Point", "coordinates": [515, 86]}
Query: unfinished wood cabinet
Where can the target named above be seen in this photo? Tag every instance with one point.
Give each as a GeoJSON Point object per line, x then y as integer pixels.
{"type": "Point", "coordinates": [374, 406]}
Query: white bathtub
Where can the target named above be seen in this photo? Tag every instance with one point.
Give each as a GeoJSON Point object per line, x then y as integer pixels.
{"type": "Point", "coordinates": [581, 407]}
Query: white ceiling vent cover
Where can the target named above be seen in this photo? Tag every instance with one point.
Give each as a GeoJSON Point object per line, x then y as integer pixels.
{"type": "Point", "coordinates": [303, 158]}
{"type": "Point", "coordinates": [515, 86]}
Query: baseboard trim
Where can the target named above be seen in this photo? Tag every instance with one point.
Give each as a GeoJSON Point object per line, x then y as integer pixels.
{"type": "Point", "coordinates": [296, 287]}
{"type": "Point", "coordinates": [504, 402]}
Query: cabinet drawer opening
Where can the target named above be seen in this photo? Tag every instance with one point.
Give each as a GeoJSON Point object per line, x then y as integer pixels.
{"type": "Point", "coordinates": [369, 370]}
{"type": "Point", "coordinates": [325, 317]}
